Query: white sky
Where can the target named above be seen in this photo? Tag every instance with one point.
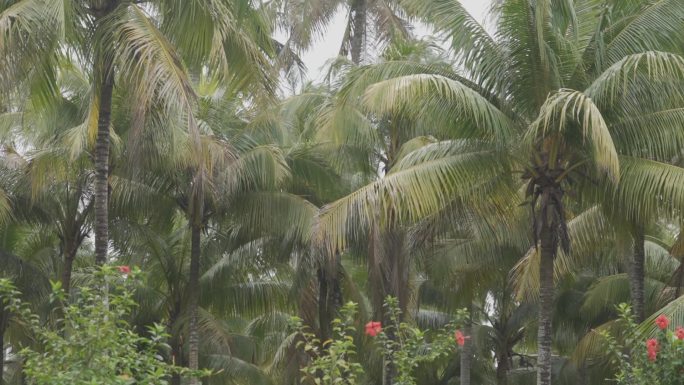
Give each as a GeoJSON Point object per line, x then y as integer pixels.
{"type": "Point", "coordinates": [329, 46]}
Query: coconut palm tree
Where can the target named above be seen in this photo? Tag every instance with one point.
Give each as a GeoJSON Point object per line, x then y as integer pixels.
{"type": "Point", "coordinates": [48, 170]}
{"type": "Point", "coordinates": [367, 21]}
{"type": "Point", "coordinates": [134, 45]}
{"type": "Point", "coordinates": [558, 106]}
{"type": "Point", "coordinates": [229, 174]}
{"type": "Point", "coordinates": [30, 257]}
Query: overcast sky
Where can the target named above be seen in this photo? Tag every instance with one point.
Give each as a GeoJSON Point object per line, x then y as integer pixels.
{"type": "Point", "coordinates": [329, 46]}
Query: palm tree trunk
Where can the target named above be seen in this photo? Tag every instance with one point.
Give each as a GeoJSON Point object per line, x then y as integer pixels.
{"type": "Point", "coordinates": [636, 276]}
{"type": "Point", "coordinates": [69, 255]}
{"type": "Point", "coordinates": [582, 375]}
{"type": "Point", "coordinates": [329, 293]}
{"type": "Point", "coordinates": [193, 296]}
{"type": "Point", "coordinates": [395, 273]}
{"type": "Point", "coordinates": [176, 340]}
{"type": "Point", "coordinates": [102, 163]}
{"type": "Point", "coordinates": [389, 367]}
{"type": "Point", "coordinates": [2, 357]}
{"type": "Point", "coordinates": [359, 31]}
{"type": "Point", "coordinates": [467, 351]}
{"type": "Point", "coordinates": [337, 299]}
{"type": "Point", "coordinates": [502, 367]}
{"type": "Point", "coordinates": [176, 352]}
{"type": "Point", "coordinates": [324, 320]}
{"type": "Point", "coordinates": [3, 327]}
{"type": "Point", "coordinates": [546, 291]}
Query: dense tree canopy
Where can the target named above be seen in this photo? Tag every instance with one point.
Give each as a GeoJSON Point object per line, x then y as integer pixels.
{"type": "Point", "coordinates": [530, 172]}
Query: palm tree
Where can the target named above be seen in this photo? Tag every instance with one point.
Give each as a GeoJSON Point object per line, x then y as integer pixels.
{"type": "Point", "coordinates": [130, 44]}
{"type": "Point", "coordinates": [47, 168]}
{"type": "Point", "coordinates": [467, 259]}
{"type": "Point", "coordinates": [231, 296]}
{"type": "Point", "coordinates": [305, 20]}
{"type": "Point", "coordinates": [386, 140]}
{"type": "Point", "coordinates": [559, 129]}
{"type": "Point", "coordinates": [30, 258]}
{"type": "Point", "coordinates": [207, 176]}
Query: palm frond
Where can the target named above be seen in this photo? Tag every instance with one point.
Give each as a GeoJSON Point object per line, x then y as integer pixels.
{"type": "Point", "coordinates": [657, 186]}
{"type": "Point", "coordinates": [656, 27]}
{"type": "Point", "coordinates": [587, 231]}
{"type": "Point", "coordinates": [610, 291]}
{"type": "Point", "coordinates": [673, 310]}
{"type": "Point", "coordinates": [568, 106]}
{"type": "Point", "coordinates": [477, 50]}
{"type": "Point", "coordinates": [411, 192]}
{"type": "Point", "coordinates": [153, 66]}
{"type": "Point", "coordinates": [653, 66]}
{"type": "Point", "coordinates": [452, 98]}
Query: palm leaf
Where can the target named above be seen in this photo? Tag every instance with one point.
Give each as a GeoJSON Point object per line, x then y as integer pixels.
{"type": "Point", "coordinates": [453, 99]}
{"type": "Point", "coordinates": [577, 107]}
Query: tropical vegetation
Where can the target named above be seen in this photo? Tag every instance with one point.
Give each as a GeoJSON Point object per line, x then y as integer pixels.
{"type": "Point", "coordinates": [516, 179]}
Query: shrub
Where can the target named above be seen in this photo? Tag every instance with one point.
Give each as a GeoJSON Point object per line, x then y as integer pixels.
{"type": "Point", "coordinates": [93, 343]}
{"type": "Point", "coordinates": [333, 361]}
{"type": "Point", "coordinates": [641, 359]}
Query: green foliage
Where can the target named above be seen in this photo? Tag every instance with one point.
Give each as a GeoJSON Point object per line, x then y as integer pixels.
{"type": "Point", "coordinates": [643, 360]}
{"type": "Point", "coordinates": [95, 344]}
{"type": "Point", "coordinates": [402, 345]}
{"type": "Point", "coordinates": [400, 175]}
{"type": "Point", "coordinates": [332, 360]}
{"type": "Point", "coordinates": [407, 346]}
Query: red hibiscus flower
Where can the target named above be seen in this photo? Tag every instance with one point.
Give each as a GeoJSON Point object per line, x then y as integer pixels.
{"type": "Point", "coordinates": [662, 322]}
{"type": "Point", "coordinates": [373, 328]}
{"type": "Point", "coordinates": [679, 333]}
{"type": "Point", "coordinates": [124, 269]}
{"type": "Point", "coordinates": [460, 338]}
{"type": "Point", "coordinates": [652, 347]}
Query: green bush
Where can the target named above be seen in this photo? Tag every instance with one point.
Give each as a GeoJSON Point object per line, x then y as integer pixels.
{"type": "Point", "coordinates": [93, 343]}
{"type": "Point", "coordinates": [644, 359]}
{"type": "Point", "coordinates": [333, 361]}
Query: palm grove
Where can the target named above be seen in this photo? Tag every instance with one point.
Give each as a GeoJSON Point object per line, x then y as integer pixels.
{"type": "Point", "coordinates": [530, 172]}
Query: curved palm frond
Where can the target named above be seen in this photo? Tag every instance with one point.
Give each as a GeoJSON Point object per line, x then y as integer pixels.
{"type": "Point", "coordinates": [577, 106]}
{"type": "Point", "coordinates": [610, 291]}
{"type": "Point", "coordinates": [657, 187]}
{"type": "Point", "coordinates": [656, 27]}
{"type": "Point", "coordinates": [673, 310]}
{"type": "Point", "coordinates": [151, 64]}
{"type": "Point", "coordinates": [586, 231]}
{"type": "Point", "coordinates": [617, 79]}
{"type": "Point", "coordinates": [478, 51]}
{"type": "Point", "coordinates": [415, 190]}
{"type": "Point", "coordinates": [453, 99]}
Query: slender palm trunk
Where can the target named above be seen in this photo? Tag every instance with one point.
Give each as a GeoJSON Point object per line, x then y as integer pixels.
{"type": "Point", "coordinates": [467, 351]}
{"type": "Point", "coordinates": [324, 316]}
{"type": "Point", "coordinates": [336, 291]}
{"type": "Point", "coordinates": [502, 367]}
{"type": "Point", "coordinates": [176, 341]}
{"type": "Point", "coordinates": [396, 284]}
{"type": "Point", "coordinates": [546, 291]}
{"type": "Point", "coordinates": [102, 163]}
{"type": "Point", "coordinates": [70, 248]}
{"type": "Point", "coordinates": [175, 377]}
{"type": "Point", "coordinates": [3, 326]}
{"type": "Point", "coordinates": [583, 375]}
{"type": "Point", "coordinates": [359, 31]}
{"type": "Point", "coordinates": [389, 372]}
{"type": "Point", "coordinates": [329, 293]}
{"type": "Point", "coordinates": [380, 283]}
{"type": "Point", "coordinates": [193, 296]}
{"type": "Point", "coordinates": [636, 276]}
